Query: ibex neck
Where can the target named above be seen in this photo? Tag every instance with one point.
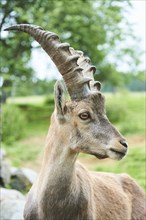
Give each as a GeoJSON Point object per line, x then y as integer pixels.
{"type": "Point", "coordinates": [58, 156]}
{"type": "Point", "coordinates": [57, 176]}
{"type": "Point", "coordinates": [57, 148]}
{"type": "Point", "coordinates": [58, 191]}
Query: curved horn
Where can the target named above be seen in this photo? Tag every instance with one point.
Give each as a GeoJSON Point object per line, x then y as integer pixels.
{"type": "Point", "coordinates": [66, 62]}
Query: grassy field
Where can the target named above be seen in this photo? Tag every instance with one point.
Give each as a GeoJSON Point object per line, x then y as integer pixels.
{"type": "Point", "coordinates": [126, 111]}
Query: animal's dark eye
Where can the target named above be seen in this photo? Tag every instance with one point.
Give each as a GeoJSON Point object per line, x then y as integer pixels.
{"type": "Point", "coordinates": [84, 116]}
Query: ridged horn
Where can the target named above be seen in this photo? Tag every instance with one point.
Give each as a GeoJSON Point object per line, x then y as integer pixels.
{"type": "Point", "coordinates": [88, 69]}
{"type": "Point", "coordinates": [66, 62]}
{"type": "Point", "coordinates": [85, 63]}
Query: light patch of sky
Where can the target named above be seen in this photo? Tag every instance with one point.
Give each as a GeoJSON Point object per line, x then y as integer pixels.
{"type": "Point", "coordinates": [43, 65]}
{"type": "Point", "coordinates": [45, 68]}
{"type": "Point", "coordinates": [138, 18]}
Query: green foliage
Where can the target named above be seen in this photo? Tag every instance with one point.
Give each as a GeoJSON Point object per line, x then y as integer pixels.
{"type": "Point", "coordinates": [133, 164]}
{"type": "Point", "coordinates": [92, 26]}
{"type": "Point", "coordinates": [116, 108]}
{"type": "Point", "coordinates": [20, 152]}
{"type": "Point", "coordinates": [13, 123]}
{"type": "Point", "coordinates": [49, 100]}
{"type": "Point", "coordinates": [135, 116]}
{"type": "Point", "coordinates": [127, 112]}
{"type": "Point", "coordinates": [43, 87]}
{"type": "Point", "coordinates": [138, 82]}
{"type": "Point", "coordinates": [38, 117]}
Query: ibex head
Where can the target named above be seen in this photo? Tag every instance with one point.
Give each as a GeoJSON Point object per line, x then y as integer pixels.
{"type": "Point", "coordinates": [82, 120]}
{"type": "Point", "coordinates": [89, 128]}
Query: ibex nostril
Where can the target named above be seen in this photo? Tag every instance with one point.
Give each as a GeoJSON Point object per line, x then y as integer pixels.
{"type": "Point", "coordinates": [124, 144]}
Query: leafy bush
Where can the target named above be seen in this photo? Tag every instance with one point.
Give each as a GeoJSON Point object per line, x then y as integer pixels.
{"type": "Point", "coordinates": [13, 123]}
{"type": "Point", "coordinates": [116, 109]}
{"type": "Point", "coordinates": [127, 112]}
{"type": "Point", "coordinates": [49, 100]}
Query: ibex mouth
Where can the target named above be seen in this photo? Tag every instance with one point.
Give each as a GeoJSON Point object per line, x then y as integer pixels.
{"type": "Point", "coordinates": [100, 156]}
{"type": "Point", "coordinates": [122, 154]}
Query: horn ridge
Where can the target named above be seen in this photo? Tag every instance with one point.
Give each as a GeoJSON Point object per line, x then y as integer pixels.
{"type": "Point", "coordinates": [68, 63]}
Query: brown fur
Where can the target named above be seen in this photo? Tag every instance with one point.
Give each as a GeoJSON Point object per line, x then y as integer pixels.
{"type": "Point", "coordinates": [65, 189]}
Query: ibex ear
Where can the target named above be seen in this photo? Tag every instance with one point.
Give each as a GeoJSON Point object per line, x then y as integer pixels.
{"type": "Point", "coordinates": [59, 100]}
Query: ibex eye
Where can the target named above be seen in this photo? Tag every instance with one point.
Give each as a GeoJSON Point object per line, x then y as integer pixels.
{"type": "Point", "coordinates": [84, 115]}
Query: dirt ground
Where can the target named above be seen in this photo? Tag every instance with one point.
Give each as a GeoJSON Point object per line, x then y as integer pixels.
{"type": "Point", "coordinates": [89, 161]}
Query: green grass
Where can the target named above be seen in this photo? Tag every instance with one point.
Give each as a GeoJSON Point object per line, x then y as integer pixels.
{"type": "Point", "coordinates": [27, 100]}
{"type": "Point", "coordinates": [127, 112]}
{"type": "Point", "coordinates": [38, 119]}
{"type": "Point", "coordinates": [38, 110]}
{"type": "Point", "coordinates": [21, 153]}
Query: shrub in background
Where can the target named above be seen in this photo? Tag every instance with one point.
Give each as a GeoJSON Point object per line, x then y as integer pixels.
{"type": "Point", "coordinates": [13, 123]}
{"type": "Point", "coordinates": [116, 108]}
{"type": "Point", "coordinates": [127, 112]}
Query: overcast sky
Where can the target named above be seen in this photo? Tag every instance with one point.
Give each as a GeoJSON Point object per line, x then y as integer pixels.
{"type": "Point", "coordinates": [136, 17]}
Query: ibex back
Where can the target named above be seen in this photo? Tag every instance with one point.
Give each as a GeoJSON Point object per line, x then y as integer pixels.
{"type": "Point", "coordinates": [65, 189]}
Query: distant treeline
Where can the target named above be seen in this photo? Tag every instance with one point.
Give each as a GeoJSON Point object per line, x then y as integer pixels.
{"type": "Point", "coordinates": [44, 87]}
{"type": "Point", "coordinates": [133, 86]}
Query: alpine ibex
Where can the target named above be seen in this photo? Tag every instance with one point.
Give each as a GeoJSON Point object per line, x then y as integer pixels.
{"type": "Point", "coordinates": [65, 189]}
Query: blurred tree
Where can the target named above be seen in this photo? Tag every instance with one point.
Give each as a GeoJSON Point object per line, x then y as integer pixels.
{"type": "Point", "coordinates": [96, 27]}
{"type": "Point", "coordinates": [137, 82]}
